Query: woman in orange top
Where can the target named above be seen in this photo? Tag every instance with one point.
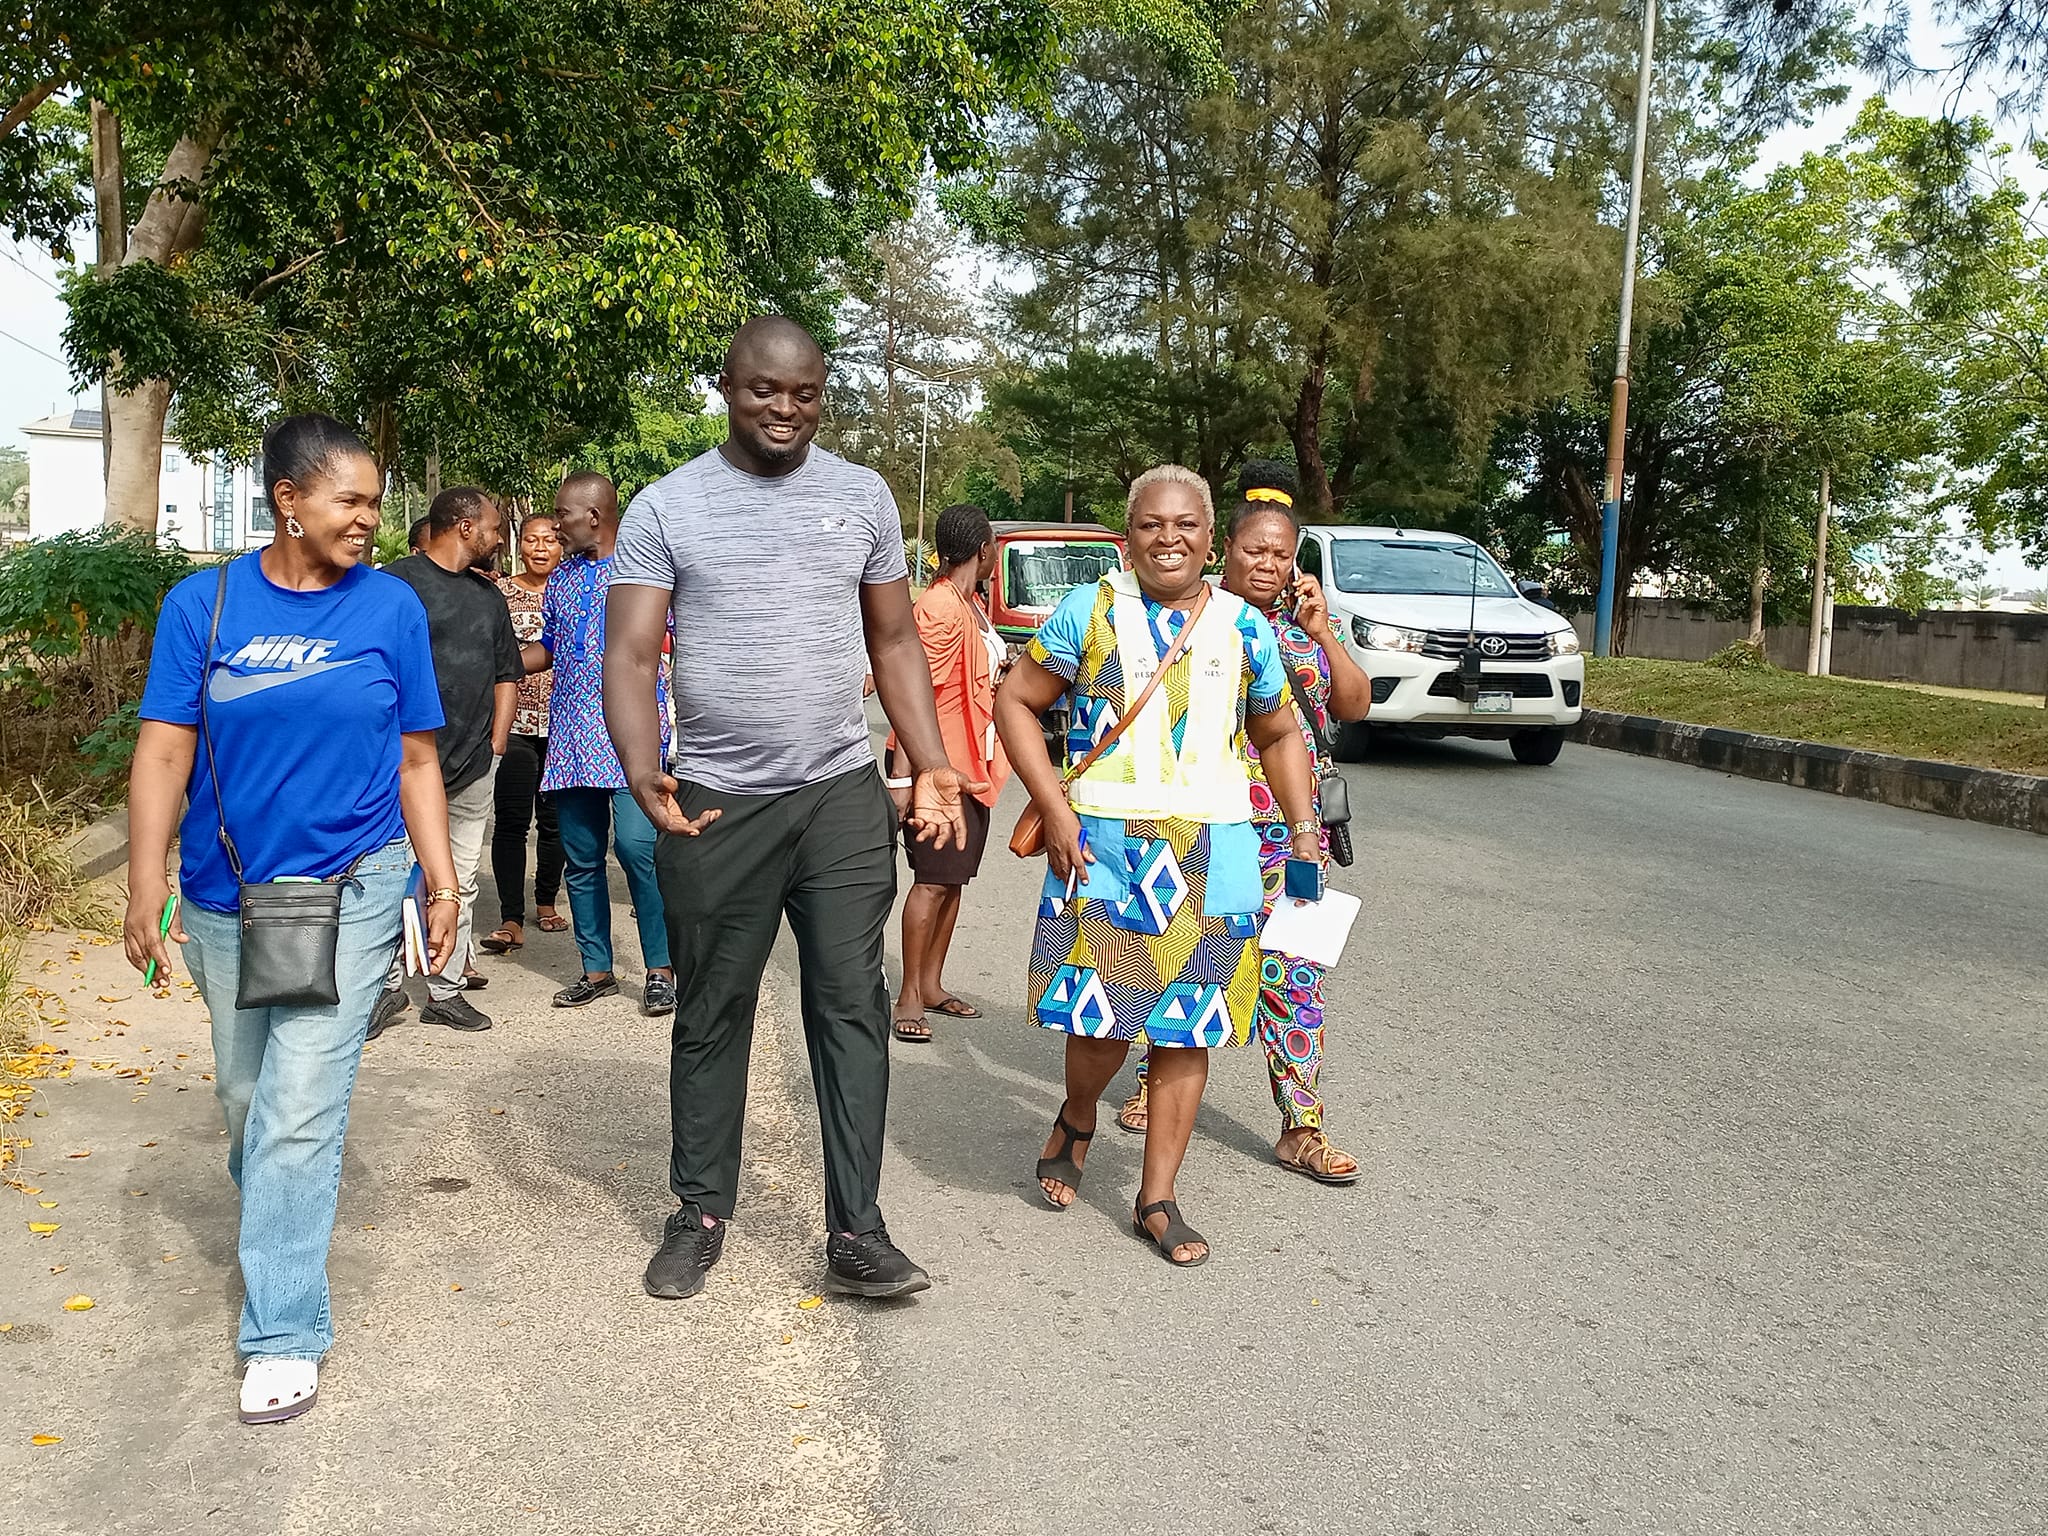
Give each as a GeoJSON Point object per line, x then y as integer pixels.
{"type": "Point", "coordinates": [967, 658]}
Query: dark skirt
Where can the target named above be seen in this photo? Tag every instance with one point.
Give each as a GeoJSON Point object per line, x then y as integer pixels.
{"type": "Point", "coordinates": [953, 864]}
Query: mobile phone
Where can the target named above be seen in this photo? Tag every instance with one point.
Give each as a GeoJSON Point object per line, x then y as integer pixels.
{"type": "Point", "coordinates": [163, 929]}
{"type": "Point", "coordinates": [1075, 875]}
{"type": "Point", "coordinates": [1303, 880]}
{"type": "Point", "coordinates": [1291, 594]}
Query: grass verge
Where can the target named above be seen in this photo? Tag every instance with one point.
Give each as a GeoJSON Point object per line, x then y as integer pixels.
{"type": "Point", "coordinates": [1836, 711]}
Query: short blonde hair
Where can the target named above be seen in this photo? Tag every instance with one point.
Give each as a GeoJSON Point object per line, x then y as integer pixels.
{"type": "Point", "coordinates": [1170, 474]}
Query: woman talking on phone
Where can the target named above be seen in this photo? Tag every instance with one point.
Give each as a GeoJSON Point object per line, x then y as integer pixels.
{"type": "Point", "coordinates": [1148, 923]}
{"type": "Point", "coordinates": [1258, 566]}
{"type": "Point", "coordinates": [291, 705]}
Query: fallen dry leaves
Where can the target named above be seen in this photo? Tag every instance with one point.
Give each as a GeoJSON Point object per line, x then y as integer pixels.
{"type": "Point", "coordinates": [45, 1439]}
{"type": "Point", "coordinates": [79, 1304]}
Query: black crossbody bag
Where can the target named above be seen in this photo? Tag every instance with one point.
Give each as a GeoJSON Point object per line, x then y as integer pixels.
{"type": "Point", "coordinates": [1333, 795]}
{"type": "Point", "coordinates": [291, 928]}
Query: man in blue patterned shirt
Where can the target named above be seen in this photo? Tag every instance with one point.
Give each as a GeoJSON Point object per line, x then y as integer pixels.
{"type": "Point", "coordinates": [583, 776]}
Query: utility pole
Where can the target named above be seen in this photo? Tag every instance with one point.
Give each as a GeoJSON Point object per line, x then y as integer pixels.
{"type": "Point", "coordinates": [1817, 626]}
{"type": "Point", "coordinates": [1617, 426]}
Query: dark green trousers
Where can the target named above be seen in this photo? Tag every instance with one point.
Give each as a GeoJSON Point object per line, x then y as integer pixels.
{"type": "Point", "coordinates": [823, 856]}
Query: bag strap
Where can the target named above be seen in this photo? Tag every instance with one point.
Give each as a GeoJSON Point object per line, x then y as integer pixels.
{"type": "Point", "coordinates": [1307, 707]}
{"type": "Point", "coordinates": [1173, 654]}
{"type": "Point", "coordinates": [220, 593]}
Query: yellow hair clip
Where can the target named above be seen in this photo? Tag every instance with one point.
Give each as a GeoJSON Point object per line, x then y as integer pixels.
{"type": "Point", "coordinates": [1268, 493]}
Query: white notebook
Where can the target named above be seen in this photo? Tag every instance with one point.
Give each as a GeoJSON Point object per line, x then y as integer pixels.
{"type": "Point", "coordinates": [1313, 930]}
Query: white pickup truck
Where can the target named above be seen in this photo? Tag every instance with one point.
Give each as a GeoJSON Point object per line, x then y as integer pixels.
{"type": "Point", "coordinates": [1452, 646]}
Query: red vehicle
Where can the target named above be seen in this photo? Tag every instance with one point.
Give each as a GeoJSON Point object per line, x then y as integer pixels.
{"type": "Point", "coordinates": [1037, 564]}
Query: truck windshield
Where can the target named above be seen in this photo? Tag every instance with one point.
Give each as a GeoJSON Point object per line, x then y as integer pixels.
{"type": "Point", "coordinates": [1037, 573]}
{"type": "Point", "coordinates": [1396, 566]}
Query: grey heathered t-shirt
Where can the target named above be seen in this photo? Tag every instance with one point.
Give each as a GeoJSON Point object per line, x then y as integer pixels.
{"type": "Point", "coordinates": [766, 578]}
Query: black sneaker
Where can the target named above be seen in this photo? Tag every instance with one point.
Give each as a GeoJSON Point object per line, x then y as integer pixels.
{"type": "Point", "coordinates": [389, 1007]}
{"type": "Point", "coordinates": [868, 1264]}
{"type": "Point", "coordinates": [687, 1252]}
{"type": "Point", "coordinates": [457, 1013]}
{"type": "Point", "coordinates": [660, 997]}
{"type": "Point", "coordinates": [583, 990]}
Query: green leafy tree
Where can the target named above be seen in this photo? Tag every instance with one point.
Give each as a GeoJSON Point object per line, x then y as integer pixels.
{"type": "Point", "coordinates": [911, 354]}
{"type": "Point", "coordinates": [1377, 240]}
{"type": "Point", "coordinates": [480, 229]}
{"type": "Point", "coordinates": [1970, 246]}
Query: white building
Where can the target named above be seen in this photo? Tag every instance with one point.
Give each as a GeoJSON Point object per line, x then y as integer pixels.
{"type": "Point", "coordinates": [206, 504]}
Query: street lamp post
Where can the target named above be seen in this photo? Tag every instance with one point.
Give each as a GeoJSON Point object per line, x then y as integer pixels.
{"type": "Point", "coordinates": [1617, 426]}
{"type": "Point", "coordinates": [924, 444]}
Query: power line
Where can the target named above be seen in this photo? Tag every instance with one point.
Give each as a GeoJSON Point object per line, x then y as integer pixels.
{"type": "Point", "coordinates": [31, 271]}
{"type": "Point", "coordinates": [53, 357]}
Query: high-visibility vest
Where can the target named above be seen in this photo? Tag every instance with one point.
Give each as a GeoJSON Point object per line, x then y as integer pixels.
{"type": "Point", "coordinates": [1143, 777]}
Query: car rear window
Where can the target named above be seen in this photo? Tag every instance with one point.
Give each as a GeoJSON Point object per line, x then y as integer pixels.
{"type": "Point", "coordinates": [1037, 573]}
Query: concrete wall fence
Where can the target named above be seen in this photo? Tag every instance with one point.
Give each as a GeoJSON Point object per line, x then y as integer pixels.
{"type": "Point", "coordinates": [2006, 652]}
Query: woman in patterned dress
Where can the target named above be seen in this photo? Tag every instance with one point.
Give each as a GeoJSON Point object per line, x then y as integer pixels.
{"type": "Point", "coordinates": [1258, 565]}
{"type": "Point", "coordinates": [1149, 919]}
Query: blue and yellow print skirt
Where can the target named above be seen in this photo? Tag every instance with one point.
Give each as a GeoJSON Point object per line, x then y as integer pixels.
{"type": "Point", "coordinates": [1161, 944]}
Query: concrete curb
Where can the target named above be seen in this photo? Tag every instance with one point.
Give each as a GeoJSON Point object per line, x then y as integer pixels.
{"type": "Point", "coordinates": [1998, 799]}
{"type": "Point", "coordinates": [100, 847]}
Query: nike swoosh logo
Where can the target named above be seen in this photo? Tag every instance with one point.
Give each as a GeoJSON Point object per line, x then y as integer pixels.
{"type": "Point", "coordinates": [226, 686]}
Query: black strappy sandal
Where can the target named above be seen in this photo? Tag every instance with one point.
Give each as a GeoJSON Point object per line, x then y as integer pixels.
{"type": "Point", "coordinates": [1061, 1165]}
{"type": "Point", "coordinates": [1177, 1234]}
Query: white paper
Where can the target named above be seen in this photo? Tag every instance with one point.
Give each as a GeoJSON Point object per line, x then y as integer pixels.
{"type": "Point", "coordinates": [1311, 930]}
{"type": "Point", "coordinates": [415, 938]}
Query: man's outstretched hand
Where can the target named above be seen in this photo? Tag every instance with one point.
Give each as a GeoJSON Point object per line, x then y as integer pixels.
{"type": "Point", "coordinates": [935, 814]}
{"type": "Point", "coordinates": [658, 800]}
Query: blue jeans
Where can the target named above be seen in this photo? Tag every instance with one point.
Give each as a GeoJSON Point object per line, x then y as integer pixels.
{"type": "Point", "coordinates": [584, 816]}
{"type": "Point", "coordinates": [283, 1077]}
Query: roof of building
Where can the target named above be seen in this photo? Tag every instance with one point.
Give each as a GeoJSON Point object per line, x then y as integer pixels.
{"type": "Point", "coordinates": [79, 421]}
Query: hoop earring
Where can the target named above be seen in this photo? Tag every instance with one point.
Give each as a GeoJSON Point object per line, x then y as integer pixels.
{"type": "Point", "coordinates": [294, 527]}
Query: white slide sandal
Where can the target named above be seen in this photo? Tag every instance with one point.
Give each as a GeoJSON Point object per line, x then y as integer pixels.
{"type": "Point", "coordinates": [276, 1390]}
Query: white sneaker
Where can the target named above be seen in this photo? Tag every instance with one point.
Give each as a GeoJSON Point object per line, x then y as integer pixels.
{"type": "Point", "coordinates": [276, 1390]}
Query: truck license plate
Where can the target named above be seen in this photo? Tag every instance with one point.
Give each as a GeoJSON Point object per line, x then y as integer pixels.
{"type": "Point", "coordinates": [1493, 704]}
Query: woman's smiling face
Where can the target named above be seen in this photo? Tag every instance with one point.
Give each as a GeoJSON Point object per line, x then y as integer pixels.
{"type": "Point", "coordinates": [1169, 533]}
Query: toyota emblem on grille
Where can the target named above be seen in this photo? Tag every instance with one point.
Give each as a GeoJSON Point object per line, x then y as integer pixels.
{"type": "Point", "coordinates": [1493, 645]}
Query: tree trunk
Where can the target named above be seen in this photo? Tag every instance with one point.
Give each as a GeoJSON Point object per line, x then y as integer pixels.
{"type": "Point", "coordinates": [1827, 637]}
{"type": "Point", "coordinates": [135, 434]}
{"type": "Point", "coordinates": [1756, 602]}
{"type": "Point", "coordinates": [111, 223]}
{"type": "Point", "coordinates": [433, 473]}
{"type": "Point", "coordinates": [1816, 627]}
{"type": "Point", "coordinates": [1307, 431]}
{"type": "Point", "coordinates": [172, 223]}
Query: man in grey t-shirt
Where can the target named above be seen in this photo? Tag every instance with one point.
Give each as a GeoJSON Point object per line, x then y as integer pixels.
{"type": "Point", "coordinates": [784, 566]}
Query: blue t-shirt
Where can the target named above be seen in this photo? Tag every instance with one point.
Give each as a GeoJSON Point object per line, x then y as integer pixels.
{"type": "Point", "coordinates": [309, 694]}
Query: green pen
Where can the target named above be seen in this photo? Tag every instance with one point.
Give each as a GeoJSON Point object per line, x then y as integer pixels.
{"type": "Point", "coordinates": [163, 929]}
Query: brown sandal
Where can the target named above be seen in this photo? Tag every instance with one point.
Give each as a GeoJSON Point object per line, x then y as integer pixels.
{"type": "Point", "coordinates": [1136, 1115]}
{"type": "Point", "coordinates": [551, 922]}
{"type": "Point", "coordinates": [500, 941]}
{"type": "Point", "coordinates": [1312, 1160]}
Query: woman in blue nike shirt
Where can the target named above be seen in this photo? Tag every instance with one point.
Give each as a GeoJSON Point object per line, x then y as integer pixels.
{"type": "Point", "coordinates": [321, 710]}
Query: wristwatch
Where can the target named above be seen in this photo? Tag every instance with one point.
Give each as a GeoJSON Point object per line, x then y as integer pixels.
{"type": "Point", "coordinates": [1298, 828]}
{"type": "Point", "coordinates": [443, 895]}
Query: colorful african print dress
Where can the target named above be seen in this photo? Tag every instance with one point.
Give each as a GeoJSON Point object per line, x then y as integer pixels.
{"type": "Point", "coordinates": [1160, 943]}
{"type": "Point", "coordinates": [1290, 1009]}
{"type": "Point", "coordinates": [1291, 989]}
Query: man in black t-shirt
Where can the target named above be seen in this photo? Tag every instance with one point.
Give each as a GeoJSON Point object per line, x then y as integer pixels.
{"type": "Point", "coordinates": [476, 662]}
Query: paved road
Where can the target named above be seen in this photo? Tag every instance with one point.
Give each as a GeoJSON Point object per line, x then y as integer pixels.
{"type": "Point", "coordinates": [1705, 1125]}
{"type": "Point", "coordinates": [1703, 1121]}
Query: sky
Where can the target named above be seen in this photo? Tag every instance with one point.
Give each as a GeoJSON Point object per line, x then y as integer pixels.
{"type": "Point", "coordinates": [34, 382]}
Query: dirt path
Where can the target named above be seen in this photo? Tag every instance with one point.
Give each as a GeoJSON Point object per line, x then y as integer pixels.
{"type": "Point", "coordinates": [497, 1367]}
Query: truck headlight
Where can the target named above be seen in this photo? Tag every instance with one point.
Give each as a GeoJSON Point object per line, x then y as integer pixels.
{"type": "Point", "coordinates": [1564, 642]}
{"type": "Point", "coordinates": [1386, 637]}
